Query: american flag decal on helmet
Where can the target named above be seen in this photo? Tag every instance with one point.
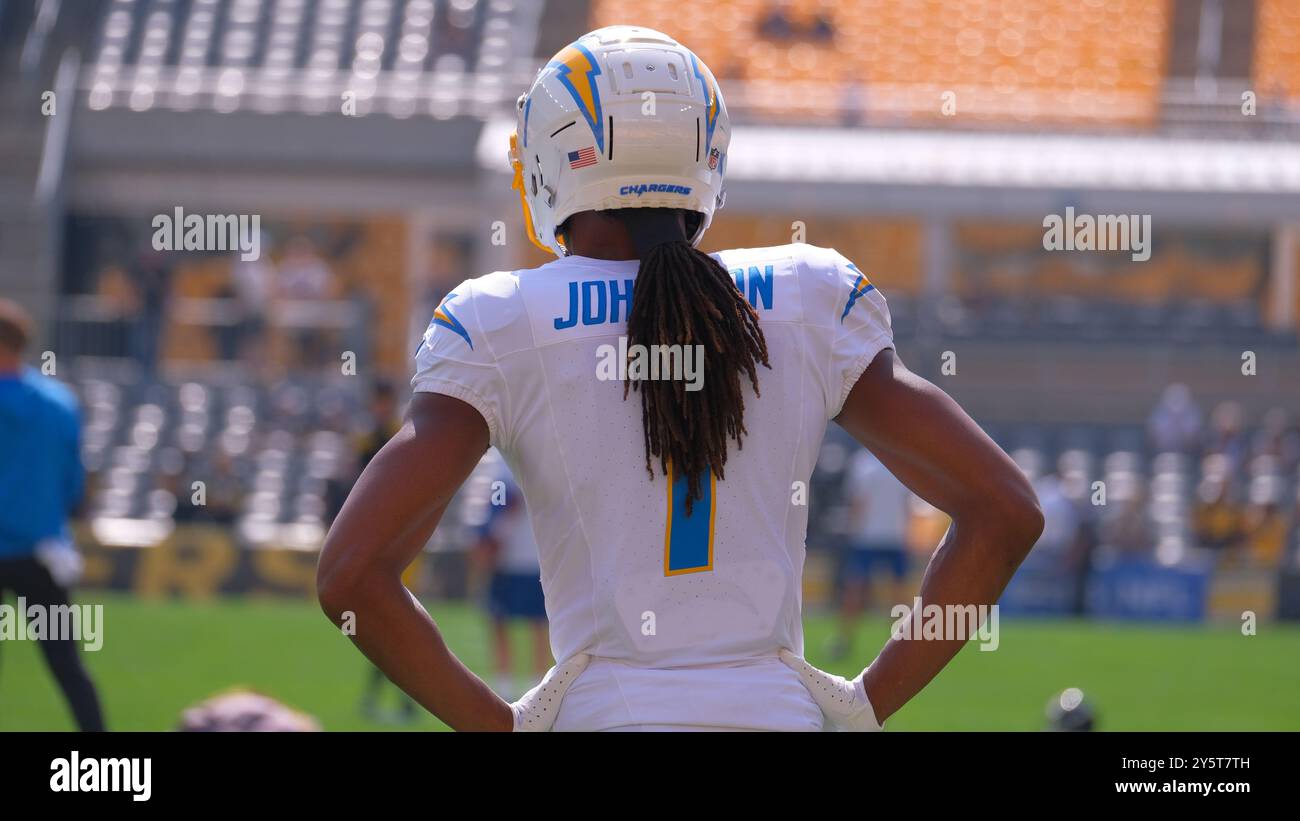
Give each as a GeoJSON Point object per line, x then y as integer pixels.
{"type": "Point", "coordinates": [582, 157]}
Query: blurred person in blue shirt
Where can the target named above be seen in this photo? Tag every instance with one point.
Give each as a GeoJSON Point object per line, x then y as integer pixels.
{"type": "Point", "coordinates": [41, 483]}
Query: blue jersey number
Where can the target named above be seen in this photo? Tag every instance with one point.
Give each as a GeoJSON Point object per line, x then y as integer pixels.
{"type": "Point", "coordinates": [688, 540]}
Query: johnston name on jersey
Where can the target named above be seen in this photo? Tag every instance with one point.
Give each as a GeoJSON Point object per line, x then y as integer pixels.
{"type": "Point", "coordinates": [670, 606]}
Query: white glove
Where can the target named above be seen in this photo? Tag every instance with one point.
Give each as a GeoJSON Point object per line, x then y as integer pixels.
{"type": "Point", "coordinates": [536, 709]}
{"type": "Point", "coordinates": [60, 557]}
{"type": "Point", "coordinates": [843, 702]}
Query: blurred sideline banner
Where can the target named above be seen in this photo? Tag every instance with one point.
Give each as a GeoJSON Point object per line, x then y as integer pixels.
{"type": "Point", "coordinates": [1142, 589]}
{"type": "Point", "coordinates": [1138, 589]}
{"type": "Point", "coordinates": [202, 561]}
{"type": "Point", "coordinates": [198, 562]}
{"type": "Point", "coordinates": [1040, 589]}
{"type": "Point", "coordinates": [1234, 592]}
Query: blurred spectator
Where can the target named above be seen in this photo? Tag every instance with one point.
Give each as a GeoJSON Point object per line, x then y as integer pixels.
{"type": "Point", "coordinates": [507, 551]}
{"type": "Point", "coordinates": [1175, 424]}
{"type": "Point", "coordinates": [1061, 520]}
{"type": "Point", "coordinates": [250, 289]}
{"type": "Point", "coordinates": [775, 22]}
{"type": "Point", "coordinates": [216, 500]}
{"type": "Point", "coordinates": [1216, 519]}
{"type": "Point", "coordinates": [778, 23]}
{"type": "Point", "coordinates": [1129, 530]}
{"type": "Point", "coordinates": [1278, 437]}
{"type": "Point", "coordinates": [41, 485]}
{"type": "Point", "coordinates": [305, 276]}
{"type": "Point", "coordinates": [338, 486]}
{"type": "Point", "coordinates": [1264, 524]}
{"type": "Point", "coordinates": [1225, 435]}
{"type": "Point", "coordinates": [821, 27]}
{"type": "Point", "coordinates": [382, 422]}
{"type": "Point", "coordinates": [181, 501]}
{"type": "Point", "coordinates": [1062, 545]}
{"type": "Point", "coordinates": [149, 275]}
{"type": "Point", "coordinates": [222, 491]}
{"type": "Point", "coordinates": [877, 540]}
{"type": "Point", "coordinates": [1072, 477]}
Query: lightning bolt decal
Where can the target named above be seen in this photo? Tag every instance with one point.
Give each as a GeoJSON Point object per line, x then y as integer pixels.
{"type": "Point", "coordinates": [711, 105]}
{"type": "Point", "coordinates": [446, 319]}
{"type": "Point", "coordinates": [860, 287]}
{"type": "Point", "coordinates": [577, 70]}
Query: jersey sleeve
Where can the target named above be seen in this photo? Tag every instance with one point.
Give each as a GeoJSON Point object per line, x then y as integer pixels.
{"type": "Point", "coordinates": [456, 359]}
{"type": "Point", "coordinates": [857, 316]}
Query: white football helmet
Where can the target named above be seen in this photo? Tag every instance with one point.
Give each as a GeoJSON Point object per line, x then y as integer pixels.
{"type": "Point", "coordinates": [626, 117]}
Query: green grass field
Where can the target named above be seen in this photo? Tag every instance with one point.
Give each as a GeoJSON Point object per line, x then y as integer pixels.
{"type": "Point", "coordinates": [159, 657]}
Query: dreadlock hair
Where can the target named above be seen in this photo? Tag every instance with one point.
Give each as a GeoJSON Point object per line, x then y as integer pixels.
{"type": "Point", "coordinates": [685, 297]}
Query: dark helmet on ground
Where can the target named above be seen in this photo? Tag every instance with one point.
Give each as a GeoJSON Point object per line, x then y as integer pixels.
{"type": "Point", "coordinates": [1070, 711]}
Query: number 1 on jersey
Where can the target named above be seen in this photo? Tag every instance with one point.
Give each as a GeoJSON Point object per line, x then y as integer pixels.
{"type": "Point", "coordinates": [688, 540]}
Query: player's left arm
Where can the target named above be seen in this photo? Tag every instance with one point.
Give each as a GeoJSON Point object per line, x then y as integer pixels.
{"type": "Point", "coordinates": [925, 439]}
{"type": "Point", "coordinates": [929, 443]}
{"type": "Point", "coordinates": [387, 519]}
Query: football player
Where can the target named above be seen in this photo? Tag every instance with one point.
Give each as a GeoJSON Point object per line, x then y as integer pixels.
{"type": "Point", "coordinates": [661, 409]}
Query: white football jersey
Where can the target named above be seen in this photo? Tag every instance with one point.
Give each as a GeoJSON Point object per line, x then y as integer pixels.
{"type": "Point", "coordinates": [658, 598]}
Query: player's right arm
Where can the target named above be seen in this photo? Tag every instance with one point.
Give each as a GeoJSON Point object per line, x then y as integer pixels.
{"type": "Point", "coordinates": [933, 447]}
{"type": "Point", "coordinates": [387, 519]}
{"type": "Point", "coordinates": [458, 410]}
